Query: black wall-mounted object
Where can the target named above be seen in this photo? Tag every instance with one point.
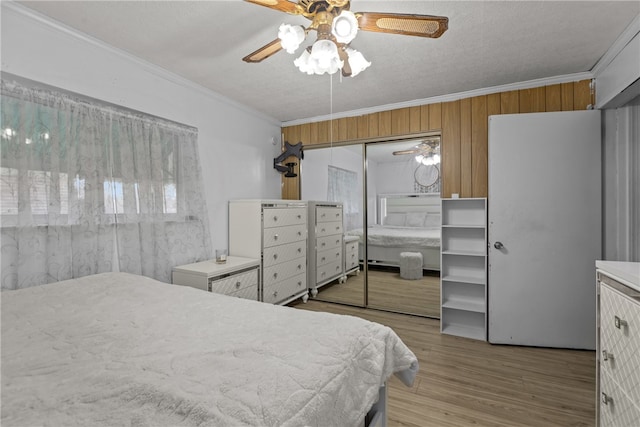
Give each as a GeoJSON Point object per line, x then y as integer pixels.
{"type": "Point", "coordinates": [290, 150]}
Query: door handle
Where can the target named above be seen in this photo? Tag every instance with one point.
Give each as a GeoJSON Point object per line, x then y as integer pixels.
{"type": "Point", "coordinates": [498, 245]}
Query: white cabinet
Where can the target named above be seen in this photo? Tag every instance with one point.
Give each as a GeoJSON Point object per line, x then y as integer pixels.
{"type": "Point", "coordinates": [238, 277]}
{"type": "Point", "coordinates": [351, 259]}
{"type": "Point", "coordinates": [463, 273]}
{"type": "Point", "coordinates": [618, 344]}
{"type": "Point", "coordinates": [275, 232]}
{"type": "Point", "coordinates": [326, 262]}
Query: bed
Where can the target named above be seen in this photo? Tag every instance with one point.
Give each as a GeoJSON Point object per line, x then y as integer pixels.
{"type": "Point", "coordinates": [121, 349]}
{"type": "Point", "coordinates": [406, 223]}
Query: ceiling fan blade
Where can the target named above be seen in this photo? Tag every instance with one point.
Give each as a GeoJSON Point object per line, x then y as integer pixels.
{"type": "Point", "coordinates": [264, 52]}
{"type": "Point", "coordinates": [281, 5]}
{"type": "Point", "coordinates": [406, 24]}
{"type": "Point", "coordinates": [413, 151]}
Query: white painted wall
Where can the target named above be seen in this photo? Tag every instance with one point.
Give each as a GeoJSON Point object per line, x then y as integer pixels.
{"type": "Point", "coordinates": [234, 141]}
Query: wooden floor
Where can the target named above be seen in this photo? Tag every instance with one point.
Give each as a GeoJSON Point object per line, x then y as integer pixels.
{"type": "Point", "coordinates": [388, 291]}
{"type": "Point", "coordinates": [464, 382]}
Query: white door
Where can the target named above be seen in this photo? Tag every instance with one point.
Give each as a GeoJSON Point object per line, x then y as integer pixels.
{"type": "Point", "coordinates": [544, 228]}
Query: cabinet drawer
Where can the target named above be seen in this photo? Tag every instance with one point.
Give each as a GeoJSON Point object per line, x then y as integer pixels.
{"type": "Point", "coordinates": [278, 254]}
{"type": "Point", "coordinates": [329, 271]}
{"type": "Point", "coordinates": [279, 217]}
{"type": "Point", "coordinates": [328, 214]}
{"type": "Point", "coordinates": [247, 293]}
{"type": "Point", "coordinates": [351, 260]}
{"type": "Point", "coordinates": [329, 228]}
{"type": "Point", "coordinates": [330, 255]}
{"type": "Point", "coordinates": [328, 242]}
{"type": "Point", "coordinates": [282, 235]}
{"type": "Point", "coordinates": [236, 283]}
{"type": "Point", "coordinates": [351, 248]}
{"type": "Point", "coordinates": [279, 272]}
{"type": "Point", "coordinates": [274, 293]}
{"type": "Point", "coordinates": [620, 340]}
{"type": "Point", "coordinates": [616, 410]}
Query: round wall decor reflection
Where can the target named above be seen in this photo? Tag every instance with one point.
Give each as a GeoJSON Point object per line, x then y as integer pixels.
{"type": "Point", "coordinates": [426, 175]}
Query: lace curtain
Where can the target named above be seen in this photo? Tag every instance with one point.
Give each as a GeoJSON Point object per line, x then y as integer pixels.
{"type": "Point", "coordinates": [343, 187]}
{"type": "Point", "coordinates": [88, 188]}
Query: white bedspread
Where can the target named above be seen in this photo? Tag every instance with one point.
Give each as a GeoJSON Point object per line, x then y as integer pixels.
{"type": "Point", "coordinates": [118, 349]}
{"type": "Point", "coordinates": [398, 237]}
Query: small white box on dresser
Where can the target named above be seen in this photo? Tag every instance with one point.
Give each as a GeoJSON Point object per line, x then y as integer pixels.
{"type": "Point", "coordinates": [238, 276]}
{"type": "Point", "coordinates": [618, 343]}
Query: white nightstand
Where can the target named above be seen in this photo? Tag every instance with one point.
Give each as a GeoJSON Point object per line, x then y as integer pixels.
{"type": "Point", "coordinates": [237, 277]}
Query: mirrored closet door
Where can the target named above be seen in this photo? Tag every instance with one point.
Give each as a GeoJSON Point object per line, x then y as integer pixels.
{"type": "Point", "coordinates": [396, 211]}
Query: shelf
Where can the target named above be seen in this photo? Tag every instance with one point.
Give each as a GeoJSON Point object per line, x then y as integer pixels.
{"type": "Point", "coordinates": [479, 226]}
{"type": "Point", "coordinates": [465, 279]}
{"type": "Point", "coordinates": [467, 253]}
{"type": "Point", "coordinates": [472, 332]}
{"type": "Point", "coordinates": [466, 304]}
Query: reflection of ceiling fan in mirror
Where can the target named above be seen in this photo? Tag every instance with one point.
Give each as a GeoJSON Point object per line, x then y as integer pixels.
{"type": "Point", "coordinates": [427, 152]}
{"type": "Point", "coordinates": [336, 27]}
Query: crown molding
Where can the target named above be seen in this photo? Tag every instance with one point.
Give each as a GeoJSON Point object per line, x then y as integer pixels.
{"type": "Point", "coordinates": [529, 84]}
{"type": "Point", "coordinates": [623, 39]}
{"type": "Point", "coordinates": [147, 66]}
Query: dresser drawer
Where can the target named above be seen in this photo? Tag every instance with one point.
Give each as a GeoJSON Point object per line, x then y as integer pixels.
{"type": "Point", "coordinates": [351, 260]}
{"type": "Point", "coordinates": [329, 242]}
{"type": "Point", "coordinates": [278, 254]}
{"type": "Point", "coordinates": [279, 272]}
{"type": "Point", "coordinates": [236, 283]}
{"type": "Point", "coordinates": [329, 271]}
{"type": "Point", "coordinates": [282, 235]}
{"type": "Point", "coordinates": [620, 340]}
{"type": "Point", "coordinates": [279, 217]}
{"type": "Point", "coordinates": [328, 214]}
{"type": "Point", "coordinates": [246, 293]}
{"type": "Point", "coordinates": [616, 410]}
{"type": "Point", "coordinates": [330, 255]}
{"type": "Point", "coordinates": [274, 293]}
{"type": "Point", "coordinates": [329, 228]}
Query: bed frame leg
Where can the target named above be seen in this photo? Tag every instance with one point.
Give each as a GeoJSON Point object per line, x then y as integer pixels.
{"type": "Point", "coordinates": [377, 415]}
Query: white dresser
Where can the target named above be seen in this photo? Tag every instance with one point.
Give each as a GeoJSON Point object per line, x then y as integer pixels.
{"type": "Point", "coordinates": [325, 244]}
{"type": "Point", "coordinates": [351, 259]}
{"type": "Point", "coordinates": [275, 232]}
{"type": "Point", "coordinates": [238, 276]}
{"type": "Point", "coordinates": [618, 343]}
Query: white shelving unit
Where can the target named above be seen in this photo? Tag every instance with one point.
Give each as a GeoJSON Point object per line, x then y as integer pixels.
{"type": "Point", "coordinates": [463, 272]}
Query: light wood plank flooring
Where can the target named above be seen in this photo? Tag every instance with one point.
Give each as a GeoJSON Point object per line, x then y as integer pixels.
{"type": "Point", "coordinates": [388, 291]}
{"type": "Point", "coordinates": [464, 382]}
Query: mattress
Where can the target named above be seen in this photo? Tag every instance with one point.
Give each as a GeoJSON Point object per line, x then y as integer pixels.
{"type": "Point", "coordinates": [120, 349]}
{"type": "Point", "coordinates": [401, 237]}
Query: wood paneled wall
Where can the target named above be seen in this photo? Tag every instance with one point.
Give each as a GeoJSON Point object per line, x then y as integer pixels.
{"type": "Point", "coordinates": [463, 125]}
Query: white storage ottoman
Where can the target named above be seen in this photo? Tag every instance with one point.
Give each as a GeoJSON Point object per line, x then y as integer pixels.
{"type": "Point", "coordinates": [411, 265]}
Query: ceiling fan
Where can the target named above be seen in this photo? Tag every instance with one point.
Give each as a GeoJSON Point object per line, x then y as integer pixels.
{"type": "Point", "coordinates": [336, 27]}
{"type": "Point", "coordinates": [427, 152]}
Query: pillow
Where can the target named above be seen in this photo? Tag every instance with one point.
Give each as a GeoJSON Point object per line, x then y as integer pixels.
{"type": "Point", "coordinates": [416, 219]}
{"type": "Point", "coordinates": [397, 219]}
{"type": "Point", "coordinates": [432, 220]}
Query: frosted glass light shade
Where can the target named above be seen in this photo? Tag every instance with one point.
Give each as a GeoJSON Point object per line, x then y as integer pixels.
{"type": "Point", "coordinates": [356, 61]}
{"type": "Point", "coordinates": [324, 57]}
{"type": "Point", "coordinates": [345, 27]}
{"type": "Point", "coordinates": [290, 37]}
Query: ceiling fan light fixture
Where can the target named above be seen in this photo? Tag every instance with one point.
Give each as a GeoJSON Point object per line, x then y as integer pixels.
{"type": "Point", "coordinates": [345, 27]}
{"type": "Point", "coordinates": [324, 57]}
{"type": "Point", "coordinates": [291, 36]}
{"type": "Point", "coordinates": [357, 61]}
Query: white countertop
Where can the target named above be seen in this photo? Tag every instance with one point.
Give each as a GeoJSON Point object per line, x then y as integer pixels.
{"type": "Point", "coordinates": [626, 272]}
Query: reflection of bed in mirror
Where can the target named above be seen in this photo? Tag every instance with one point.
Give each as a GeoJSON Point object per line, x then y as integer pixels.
{"type": "Point", "coordinates": [408, 223]}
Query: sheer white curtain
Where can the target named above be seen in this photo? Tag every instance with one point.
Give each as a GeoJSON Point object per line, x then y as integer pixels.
{"type": "Point", "coordinates": [89, 188]}
{"type": "Point", "coordinates": [343, 187]}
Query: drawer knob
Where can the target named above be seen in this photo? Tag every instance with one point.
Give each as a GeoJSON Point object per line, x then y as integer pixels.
{"type": "Point", "coordinates": [322, 259]}
{"type": "Point", "coordinates": [275, 218]}
{"type": "Point", "coordinates": [323, 274]}
{"type": "Point", "coordinates": [299, 233]}
{"type": "Point", "coordinates": [337, 241]}
{"type": "Point", "coordinates": [299, 266]}
{"type": "Point", "coordinates": [338, 227]}
{"type": "Point", "coordinates": [606, 355]}
{"type": "Point", "coordinates": [299, 250]}
{"type": "Point", "coordinates": [323, 244]}
{"type": "Point", "coordinates": [299, 216]}
{"type": "Point", "coordinates": [237, 285]}
{"type": "Point", "coordinates": [337, 267]}
{"type": "Point", "coordinates": [275, 294]}
{"type": "Point", "coordinates": [323, 230]}
{"type": "Point", "coordinates": [620, 323]}
{"type": "Point", "coordinates": [275, 256]}
{"type": "Point", "coordinates": [275, 237]}
{"type": "Point", "coordinates": [299, 283]}
{"type": "Point", "coordinates": [606, 399]}
{"type": "Point", "coordinates": [275, 275]}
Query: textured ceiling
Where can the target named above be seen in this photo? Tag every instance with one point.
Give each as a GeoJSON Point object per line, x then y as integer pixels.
{"type": "Point", "coordinates": [488, 44]}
